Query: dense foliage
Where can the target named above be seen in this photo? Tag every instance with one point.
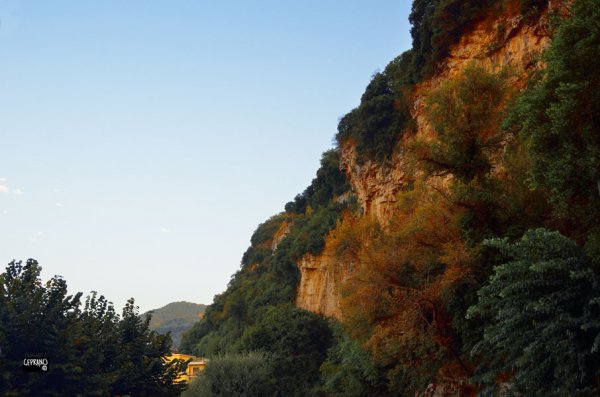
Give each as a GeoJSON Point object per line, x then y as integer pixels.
{"type": "Point", "coordinates": [376, 125]}
{"type": "Point", "coordinates": [255, 313]}
{"type": "Point", "coordinates": [486, 279]}
{"type": "Point", "coordinates": [545, 296]}
{"type": "Point", "coordinates": [558, 118]}
{"type": "Point", "coordinates": [90, 351]}
{"type": "Point", "coordinates": [438, 24]}
{"type": "Point", "coordinates": [329, 183]}
{"type": "Point", "coordinates": [234, 375]}
{"type": "Point", "coordinates": [348, 370]}
{"type": "Point", "coordinates": [397, 302]}
{"type": "Point", "coordinates": [469, 287]}
{"type": "Point", "coordinates": [297, 341]}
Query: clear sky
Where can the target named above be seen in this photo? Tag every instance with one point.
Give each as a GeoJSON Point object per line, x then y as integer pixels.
{"type": "Point", "coordinates": [142, 142]}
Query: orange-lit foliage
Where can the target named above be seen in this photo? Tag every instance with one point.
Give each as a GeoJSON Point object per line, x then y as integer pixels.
{"type": "Point", "coordinates": [393, 300]}
{"type": "Point", "coordinates": [465, 115]}
{"type": "Point", "coordinates": [484, 166]}
{"type": "Point", "coordinates": [409, 287]}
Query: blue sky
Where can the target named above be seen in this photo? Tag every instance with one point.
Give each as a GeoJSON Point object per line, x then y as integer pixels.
{"type": "Point", "coordinates": [143, 141]}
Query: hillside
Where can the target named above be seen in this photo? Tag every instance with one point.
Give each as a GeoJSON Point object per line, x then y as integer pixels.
{"type": "Point", "coordinates": [449, 245]}
{"type": "Point", "coordinates": [176, 317]}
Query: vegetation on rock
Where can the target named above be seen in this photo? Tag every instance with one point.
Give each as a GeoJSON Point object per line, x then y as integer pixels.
{"type": "Point", "coordinates": [486, 279]}
{"type": "Point", "coordinates": [470, 287]}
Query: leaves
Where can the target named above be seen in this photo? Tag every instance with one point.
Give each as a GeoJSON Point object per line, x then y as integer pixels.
{"type": "Point", "coordinates": [91, 351]}
{"type": "Point", "coordinates": [465, 115]}
{"type": "Point", "coordinates": [377, 124]}
{"type": "Point", "coordinates": [557, 117]}
{"type": "Point", "coordinates": [539, 314]}
{"type": "Point", "coordinates": [234, 375]}
{"type": "Point", "coordinates": [394, 300]}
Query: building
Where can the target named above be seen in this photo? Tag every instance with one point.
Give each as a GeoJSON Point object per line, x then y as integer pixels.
{"type": "Point", "coordinates": [194, 365]}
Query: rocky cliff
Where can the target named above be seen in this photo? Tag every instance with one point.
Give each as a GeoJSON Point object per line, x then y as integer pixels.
{"type": "Point", "coordinates": [320, 278]}
{"type": "Point", "coordinates": [506, 42]}
{"type": "Point", "coordinates": [503, 43]}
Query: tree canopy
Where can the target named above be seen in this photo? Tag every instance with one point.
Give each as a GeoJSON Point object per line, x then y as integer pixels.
{"type": "Point", "coordinates": [541, 314]}
{"type": "Point", "coordinates": [90, 350]}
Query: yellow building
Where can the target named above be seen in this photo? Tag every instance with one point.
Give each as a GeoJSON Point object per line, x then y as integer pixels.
{"type": "Point", "coordinates": [194, 365]}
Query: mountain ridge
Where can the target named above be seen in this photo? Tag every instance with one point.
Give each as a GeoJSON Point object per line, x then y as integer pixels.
{"type": "Point", "coordinates": [176, 318]}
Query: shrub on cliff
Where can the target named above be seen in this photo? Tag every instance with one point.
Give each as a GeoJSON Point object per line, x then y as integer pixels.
{"type": "Point", "coordinates": [465, 114]}
{"type": "Point", "coordinates": [437, 25]}
{"type": "Point", "coordinates": [329, 183]}
{"type": "Point", "coordinates": [376, 125]}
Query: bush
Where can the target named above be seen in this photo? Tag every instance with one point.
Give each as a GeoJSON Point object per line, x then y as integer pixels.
{"type": "Point", "coordinates": [260, 242]}
{"type": "Point", "coordinates": [308, 235]}
{"type": "Point", "coordinates": [348, 370]}
{"type": "Point", "coordinates": [297, 341]}
{"type": "Point", "coordinates": [436, 26]}
{"type": "Point", "coordinates": [233, 375]}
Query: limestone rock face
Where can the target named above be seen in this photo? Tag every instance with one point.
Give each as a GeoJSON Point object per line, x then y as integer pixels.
{"type": "Point", "coordinates": [320, 279]}
{"type": "Point", "coordinates": [280, 234]}
{"type": "Point", "coordinates": [504, 42]}
{"type": "Point", "coordinates": [375, 186]}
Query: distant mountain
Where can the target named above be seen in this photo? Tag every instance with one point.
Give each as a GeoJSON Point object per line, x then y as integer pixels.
{"type": "Point", "coordinates": [175, 317]}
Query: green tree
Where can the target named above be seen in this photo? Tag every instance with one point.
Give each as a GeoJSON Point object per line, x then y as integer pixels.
{"type": "Point", "coordinates": [97, 345]}
{"type": "Point", "coordinates": [142, 368]}
{"type": "Point", "coordinates": [348, 370]}
{"type": "Point", "coordinates": [91, 352]}
{"type": "Point", "coordinates": [297, 341]}
{"type": "Point", "coordinates": [465, 114]}
{"type": "Point", "coordinates": [36, 320]}
{"type": "Point", "coordinates": [234, 375]}
{"type": "Point", "coordinates": [377, 124]}
{"type": "Point", "coordinates": [540, 311]}
{"type": "Point", "coordinates": [558, 119]}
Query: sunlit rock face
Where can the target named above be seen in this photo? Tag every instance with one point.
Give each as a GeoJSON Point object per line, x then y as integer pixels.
{"type": "Point", "coordinates": [504, 42]}
{"type": "Point", "coordinates": [375, 185]}
{"type": "Point", "coordinates": [320, 279]}
{"type": "Point", "coordinates": [283, 231]}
